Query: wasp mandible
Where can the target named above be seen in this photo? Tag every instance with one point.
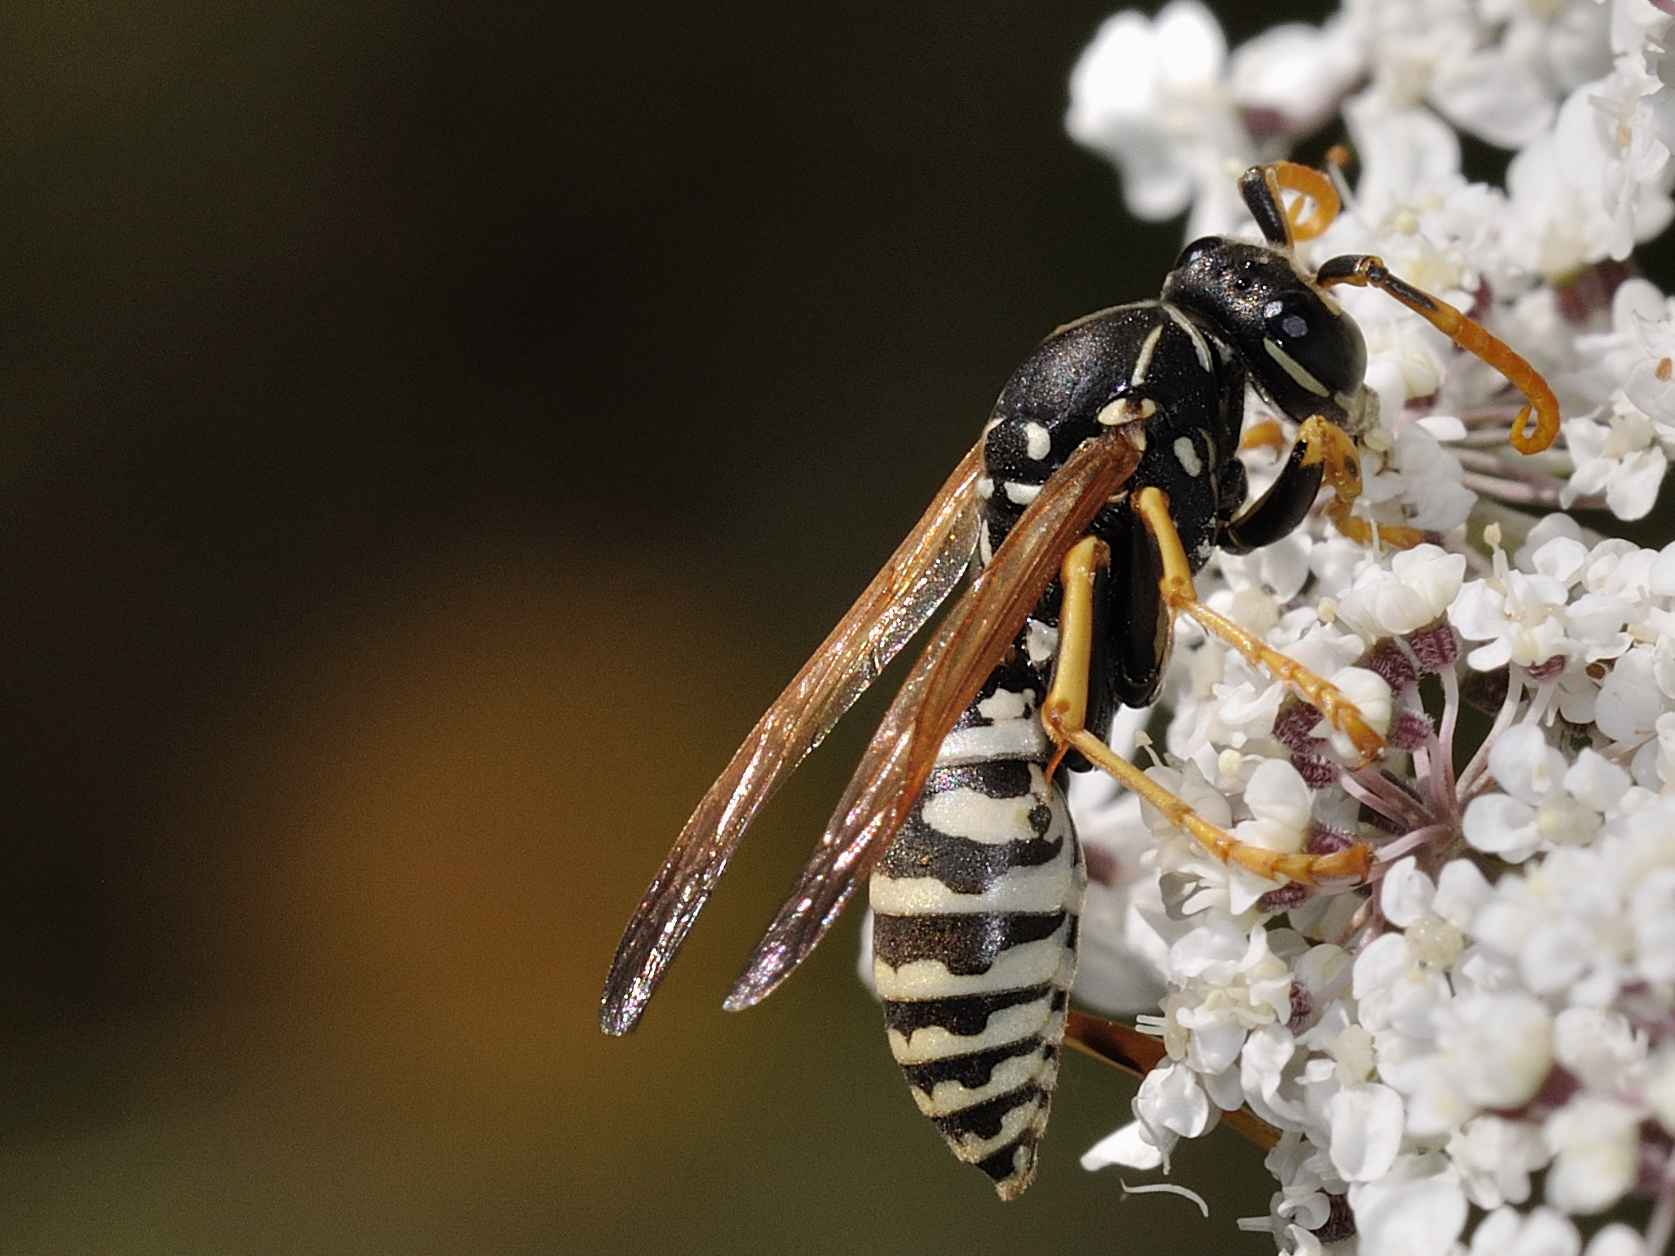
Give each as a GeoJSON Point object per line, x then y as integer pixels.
{"type": "Point", "coordinates": [1106, 475]}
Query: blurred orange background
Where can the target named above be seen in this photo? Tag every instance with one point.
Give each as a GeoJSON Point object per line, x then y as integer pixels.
{"type": "Point", "coordinates": [431, 436]}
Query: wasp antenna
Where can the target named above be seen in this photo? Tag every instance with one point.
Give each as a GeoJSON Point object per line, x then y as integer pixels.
{"type": "Point", "coordinates": [1282, 226]}
{"type": "Point", "coordinates": [1261, 193]}
{"type": "Point", "coordinates": [1541, 406]}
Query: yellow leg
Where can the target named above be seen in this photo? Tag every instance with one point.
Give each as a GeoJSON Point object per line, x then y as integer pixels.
{"type": "Point", "coordinates": [1064, 716]}
{"type": "Point", "coordinates": [1267, 434]}
{"type": "Point", "coordinates": [1180, 594]}
{"type": "Point", "coordinates": [1329, 444]}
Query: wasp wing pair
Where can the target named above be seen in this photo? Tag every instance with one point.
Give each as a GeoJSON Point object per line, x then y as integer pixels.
{"type": "Point", "coordinates": [946, 677]}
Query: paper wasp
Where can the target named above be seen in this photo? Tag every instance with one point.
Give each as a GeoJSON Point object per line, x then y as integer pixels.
{"type": "Point", "coordinates": [1104, 478]}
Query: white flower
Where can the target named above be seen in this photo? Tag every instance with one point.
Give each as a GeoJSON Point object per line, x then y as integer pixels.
{"type": "Point", "coordinates": [1620, 459]}
{"type": "Point", "coordinates": [1490, 1051]}
{"type": "Point", "coordinates": [1171, 1104]}
{"type": "Point", "coordinates": [1542, 1232]}
{"type": "Point", "coordinates": [1126, 1147]}
{"type": "Point", "coordinates": [1630, 699]}
{"type": "Point", "coordinates": [1416, 589]}
{"type": "Point", "coordinates": [1414, 1211]}
{"type": "Point", "coordinates": [1230, 983]}
{"type": "Point", "coordinates": [1628, 353]}
{"type": "Point", "coordinates": [1280, 807]}
{"type": "Point", "coordinates": [1147, 92]}
{"type": "Point", "coordinates": [1652, 913]}
{"type": "Point", "coordinates": [1420, 473]}
{"type": "Point", "coordinates": [1596, 1150]}
{"type": "Point", "coordinates": [1535, 807]}
{"type": "Point", "coordinates": [1371, 696]}
{"type": "Point", "coordinates": [1598, 183]}
{"type": "Point", "coordinates": [1522, 616]}
{"type": "Point", "coordinates": [1366, 1131]}
{"type": "Point", "coordinates": [1291, 78]}
{"type": "Point", "coordinates": [1495, 1158]}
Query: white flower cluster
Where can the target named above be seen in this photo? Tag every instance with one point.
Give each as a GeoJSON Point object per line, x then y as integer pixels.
{"type": "Point", "coordinates": [1476, 1048]}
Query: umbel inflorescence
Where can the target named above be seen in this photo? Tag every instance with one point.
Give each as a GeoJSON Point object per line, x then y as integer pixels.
{"type": "Point", "coordinates": [1477, 1050]}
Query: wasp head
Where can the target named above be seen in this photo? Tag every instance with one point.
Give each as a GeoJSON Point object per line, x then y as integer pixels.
{"type": "Point", "coordinates": [1305, 355]}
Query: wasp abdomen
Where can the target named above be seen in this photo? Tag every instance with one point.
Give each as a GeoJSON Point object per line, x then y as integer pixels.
{"type": "Point", "coordinates": [974, 943]}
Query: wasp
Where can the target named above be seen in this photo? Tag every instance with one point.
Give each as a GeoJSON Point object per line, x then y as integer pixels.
{"type": "Point", "coordinates": [1105, 476]}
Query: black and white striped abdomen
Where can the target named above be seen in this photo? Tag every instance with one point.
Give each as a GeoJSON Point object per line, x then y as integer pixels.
{"type": "Point", "coordinates": [975, 907]}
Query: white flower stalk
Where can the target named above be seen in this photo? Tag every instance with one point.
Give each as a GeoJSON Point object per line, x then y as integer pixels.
{"type": "Point", "coordinates": [1476, 1049]}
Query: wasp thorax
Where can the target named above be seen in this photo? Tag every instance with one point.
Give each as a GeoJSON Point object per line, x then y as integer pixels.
{"type": "Point", "coordinates": [1304, 354]}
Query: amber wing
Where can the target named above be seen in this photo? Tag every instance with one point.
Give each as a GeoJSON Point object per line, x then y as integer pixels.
{"type": "Point", "coordinates": [945, 679]}
{"type": "Point", "coordinates": [919, 575]}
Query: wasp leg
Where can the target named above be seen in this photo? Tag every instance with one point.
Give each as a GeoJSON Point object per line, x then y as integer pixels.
{"type": "Point", "coordinates": [1329, 447]}
{"type": "Point", "coordinates": [1260, 186]}
{"type": "Point", "coordinates": [1361, 271]}
{"type": "Point", "coordinates": [1179, 592]}
{"type": "Point", "coordinates": [1268, 434]}
{"type": "Point", "coordinates": [1064, 716]}
{"type": "Point", "coordinates": [1279, 510]}
{"type": "Point", "coordinates": [1322, 452]}
{"type": "Point", "coordinates": [1129, 1051]}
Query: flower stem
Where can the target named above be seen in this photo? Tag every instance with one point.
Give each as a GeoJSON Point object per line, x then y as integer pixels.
{"type": "Point", "coordinates": [1503, 721]}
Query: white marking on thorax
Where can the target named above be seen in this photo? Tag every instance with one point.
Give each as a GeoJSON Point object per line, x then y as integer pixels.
{"type": "Point", "coordinates": [1022, 494]}
{"type": "Point", "coordinates": [1125, 410]}
{"type": "Point", "coordinates": [1144, 361]}
{"type": "Point", "coordinates": [1199, 345]}
{"type": "Point", "coordinates": [985, 544]}
{"type": "Point", "coordinates": [985, 487]}
{"type": "Point", "coordinates": [1292, 367]}
{"type": "Point", "coordinates": [1186, 453]}
{"type": "Point", "coordinates": [1038, 443]}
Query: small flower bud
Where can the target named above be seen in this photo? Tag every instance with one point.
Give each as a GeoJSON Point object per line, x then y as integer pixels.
{"type": "Point", "coordinates": [1410, 730]}
{"type": "Point", "coordinates": [1435, 647]}
{"type": "Point", "coordinates": [1317, 773]}
{"type": "Point", "coordinates": [1302, 1003]}
{"type": "Point", "coordinates": [1284, 899]}
{"type": "Point", "coordinates": [1387, 661]}
{"type": "Point", "coordinates": [1294, 724]}
{"type": "Point", "coordinates": [1339, 1223]}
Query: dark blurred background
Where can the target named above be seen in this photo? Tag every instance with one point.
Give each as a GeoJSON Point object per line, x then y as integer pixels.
{"type": "Point", "coordinates": [430, 436]}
